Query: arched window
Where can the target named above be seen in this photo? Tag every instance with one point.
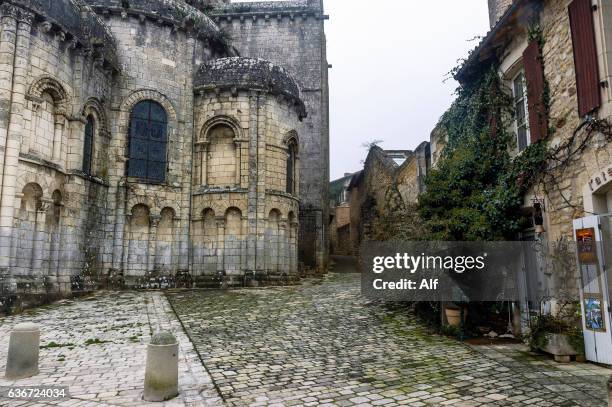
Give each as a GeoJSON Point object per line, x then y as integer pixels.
{"type": "Point", "coordinates": [291, 168]}
{"type": "Point", "coordinates": [148, 140]}
{"type": "Point", "coordinates": [88, 145]}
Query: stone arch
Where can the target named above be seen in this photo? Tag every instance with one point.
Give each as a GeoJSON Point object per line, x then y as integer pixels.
{"type": "Point", "coordinates": [233, 221]}
{"type": "Point", "coordinates": [209, 223]}
{"type": "Point", "coordinates": [292, 137]}
{"type": "Point", "coordinates": [220, 120]}
{"type": "Point", "coordinates": [149, 94]}
{"type": "Point", "coordinates": [95, 107]}
{"type": "Point", "coordinates": [234, 242]}
{"type": "Point", "coordinates": [173, 137]}
{"type": "Point", "coordinates": [32, 178]}
{"type": "Point", "coordinates": [272, 233]}
{"type": "Point", "coordinates": [145, 200]}
{"type": "Point", "coordinates": [204, 232]}
{"type": "Point", "coordinates": [32, 197]}
{"type": "Point", "coordinates": [50, 85]}
{"type": "Point", "coordinates": [138, 239]}
{"type": "Point", "coordinates": [27, 240]}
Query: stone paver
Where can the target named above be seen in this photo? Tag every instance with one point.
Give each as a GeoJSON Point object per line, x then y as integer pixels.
{"type": "Point", "coordinates": [321, 343]}
{"type": "Point", "coordinates": [100, 351]}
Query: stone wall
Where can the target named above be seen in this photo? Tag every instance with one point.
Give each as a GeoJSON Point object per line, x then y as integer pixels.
{"type": "Point", "coordinates": [291, 34]}
{"type": "Point", "coordinates": [252, 223]}
{"type": "Point", "coordinates": [51, 212]}
{"type": "Point", "coordinates": [340, 240]}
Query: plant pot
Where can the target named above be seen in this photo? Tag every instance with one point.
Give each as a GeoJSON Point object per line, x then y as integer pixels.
{"type": "Point", "coordinates": [559, 346]}
{"type": "Point", "coordinates": [453, 316]}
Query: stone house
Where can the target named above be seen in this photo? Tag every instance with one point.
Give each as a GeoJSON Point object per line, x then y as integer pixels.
{"type": "Point", "coordinates": [339, 229]}
{"type": "Point", "coordinates": [560, 84]}
{"type": "Point", "coordinates": [385, 190]}
{"type": "Point", "coordinates": [146, 142]}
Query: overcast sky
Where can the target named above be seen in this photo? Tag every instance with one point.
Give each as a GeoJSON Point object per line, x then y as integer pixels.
{"type": "Point", "coordinates": [390, 58]}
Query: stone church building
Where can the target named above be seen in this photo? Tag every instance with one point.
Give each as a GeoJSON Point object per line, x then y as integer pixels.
{"type": "Point", "coordinates": [161, 140]}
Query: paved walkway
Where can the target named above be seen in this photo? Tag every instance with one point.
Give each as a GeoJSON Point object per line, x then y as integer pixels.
{"type": "Point", "coordinates": [315, 344]}
{"type": "Point", "coordinates": [322, 344]}
{"type": "Point", "coordinates": [97, 347]}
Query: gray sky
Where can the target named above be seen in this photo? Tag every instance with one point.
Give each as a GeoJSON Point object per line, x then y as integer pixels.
{"type": "Point", "coordinates": [389, 60]}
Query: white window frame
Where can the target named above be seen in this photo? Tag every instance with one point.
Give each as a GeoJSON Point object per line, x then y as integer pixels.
{"type": "Point", "coordinates": [516, 101]}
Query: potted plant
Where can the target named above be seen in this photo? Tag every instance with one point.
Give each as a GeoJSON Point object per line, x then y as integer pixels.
{"type": "Point", "coordinates": [453, 315]}
{"type": "Point", "coordinates": [559, 335]}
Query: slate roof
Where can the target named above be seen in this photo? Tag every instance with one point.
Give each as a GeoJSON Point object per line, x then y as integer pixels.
{"type": "Point", "coordinates": [250, 74]}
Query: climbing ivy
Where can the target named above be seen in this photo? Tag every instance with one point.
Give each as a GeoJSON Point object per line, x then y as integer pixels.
{"type": "Point", "coordinates": [475, 192]}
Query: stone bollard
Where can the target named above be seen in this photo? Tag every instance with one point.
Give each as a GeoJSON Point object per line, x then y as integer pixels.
{"type": "Point", "coordinates": [161, 374]}
{"type": "Point", "coordinates": [610, 392]}
{"type": "Point", "coordinates": [22, 359]}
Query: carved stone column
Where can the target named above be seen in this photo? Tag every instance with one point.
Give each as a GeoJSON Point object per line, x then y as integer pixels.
{"type": "Point", "coordinates": [293, 256]}
{"type": "Point", "coordinates": [282, 247]}
{"type": "Point", "coordinates": [14, 131]}
{"type": "Point", "coordinates": [39, 240]}
{"type": "Point", "coordinates": [220, 245]}
{"type": "Point", "coordinates": [237, 167]}
{"type": "Point", "coordinates": [151, 250]}
{"type": "Point", "coordinates": [125, 244]}
{"type": "Point", "coordinates": [203, 160]}
{"type": "Point", "coordinates": [29, 139]}
{"type": "Point", "coordinates": [58, 136]}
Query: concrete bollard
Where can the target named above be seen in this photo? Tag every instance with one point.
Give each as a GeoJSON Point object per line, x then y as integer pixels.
{"type": "Point", "coordinates": [22, 359]}
{"type": "Point", "coordinates": [161, 373]}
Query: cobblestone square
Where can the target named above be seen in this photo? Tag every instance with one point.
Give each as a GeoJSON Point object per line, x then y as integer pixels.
{"type": "Point", "coordinates": [319, 343]}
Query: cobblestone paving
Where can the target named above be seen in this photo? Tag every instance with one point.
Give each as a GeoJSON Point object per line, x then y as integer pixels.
{"type": "Point", "coordinates": [322, 344]}
{"type": "Point", "coordinates": [97, 347]}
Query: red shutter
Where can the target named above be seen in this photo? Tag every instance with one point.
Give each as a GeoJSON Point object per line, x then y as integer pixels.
{"type": "Point", "coordinates": [534, 75]}
{"type": "Point", "coordinates": [585, 56]}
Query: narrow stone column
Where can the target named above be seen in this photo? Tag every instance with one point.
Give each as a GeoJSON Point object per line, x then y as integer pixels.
{"type": "Point", "coordinates": [203, 163]}
{"type": "Point", "coordinates": [58, 136]}
{"type": "Point", "coordinates": [161, 372]}
{"type": "Point", "coordinates": [294, 247]}
{"type": "Point", "coordinates": [152, 249]}
{"type": "Point", "coordinates": [15, 122]}
{"type": "Point", "coordinates": [29, 138]}
{"type": "Point", "coordinates": [125, 266]}
{"type": "Point", "coordinates": [220, 245]}
{"type": "Point", "coordinates": [22, 358]}
{"type": "Point", "coordinates": [237, 159]}
{"type": "Point", "coordinates": [38, 244]}
{"type": "Point", "coordinates": [282, 247]}
{"type": "Point", "coordinates": [253, 263]}
{"type": "Point", "coordinates": [120, 224]}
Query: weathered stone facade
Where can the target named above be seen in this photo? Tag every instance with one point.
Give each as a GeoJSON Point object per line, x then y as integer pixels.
{"type": "Point", "coordinates": [136, 147]}
{"type": "Point", "coordinates": [291, 34]}
{"type": "Point", "coordinates": [580, 188]}
{"type": "Point", "coordinates": [383, 196]}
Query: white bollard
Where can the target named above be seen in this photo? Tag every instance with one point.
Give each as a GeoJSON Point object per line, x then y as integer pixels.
{"type": "Point", "coordinates": [22, 359]}
{"type": "Point", "coordinates": [161, 373]}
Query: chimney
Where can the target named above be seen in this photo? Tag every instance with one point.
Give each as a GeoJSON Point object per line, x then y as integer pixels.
{"type": "Point", "coordinates": [497, 8]}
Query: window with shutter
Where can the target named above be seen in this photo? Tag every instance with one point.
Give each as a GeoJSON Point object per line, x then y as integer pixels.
{"type": "Point", "coordinates": [534, 76]}
{"type": "Point", "coordinates": [585, 56]}
{"type": "Point", "coordinates": [521, 126]}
